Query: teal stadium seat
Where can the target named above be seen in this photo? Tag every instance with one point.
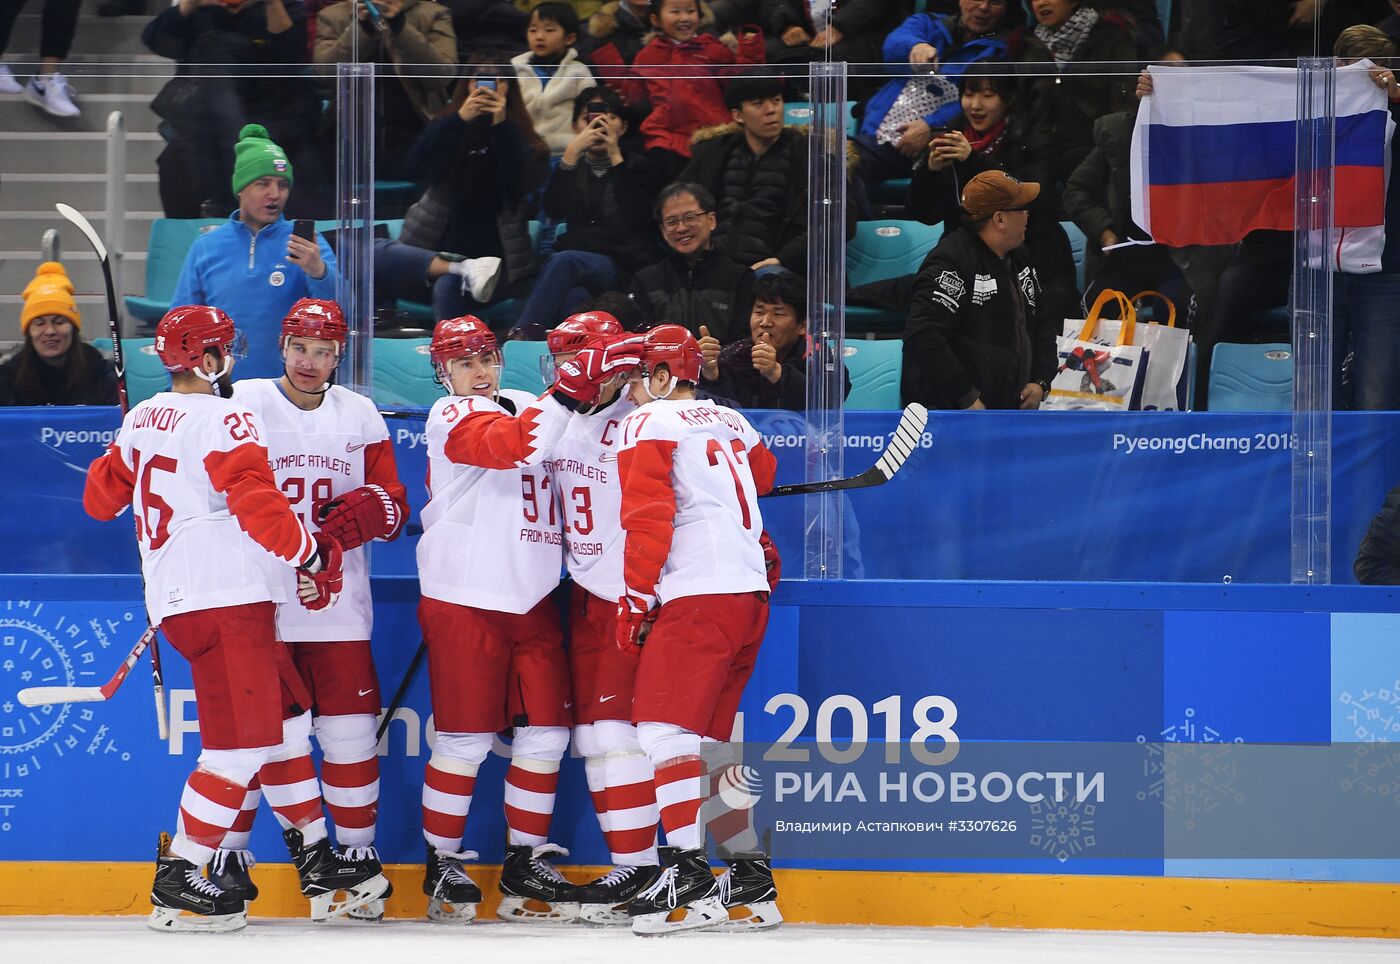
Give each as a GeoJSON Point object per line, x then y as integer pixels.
{"type": "Point", "coordinates": [166, 248]}
{"type": "Point", "coordinates": [403, 373]}
{"type": "Point", "coordinates": [520, 366]}
{"type": "Point", "coordinates": [501, 313]}
{"type": "Point", "coordinates": [882, 250]}
{"type": "Point", "coordinates": [874, 367]}
{"type": "Point", "coordinates": [145, 375]}
{"type": "Point", "coordinates": [1251, 378]}
{"type": "Point", "coordinates": [1077, 245]}
{"type": "Point", "coordinates": [798, 113]}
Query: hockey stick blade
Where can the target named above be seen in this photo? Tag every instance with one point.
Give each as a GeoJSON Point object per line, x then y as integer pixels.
{"type": "Point", "coordinates": [903, 442]}
{"type": "Point", "coordinates": [48, 695]}
{"type": "Point", "coordinates": [85, 226]}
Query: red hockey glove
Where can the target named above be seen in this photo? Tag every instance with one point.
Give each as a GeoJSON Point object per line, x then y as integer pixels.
{"type": "Point", "coordinates": [359, 516]}
{"type": "Point", "coordinates": [771, 560]}
{"type": "Point", "coordinates": [580, 378]}
{"type": "Point", "coordinates": [319, 581]}
{"type": "Point", "coordinates": [635, 615]}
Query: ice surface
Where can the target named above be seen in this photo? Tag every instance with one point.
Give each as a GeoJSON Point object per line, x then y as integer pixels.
{"type": "Point", "coordinates": [117, 940]}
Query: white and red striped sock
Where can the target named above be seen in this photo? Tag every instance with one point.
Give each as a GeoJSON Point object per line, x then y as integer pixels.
{"type": "Point", "coordinates": [208, 808]}
{"type": "Point", "coordinates": [595, 772]}
{"type": "Point", "coordinates": [632, 809]}
{"type": "Point", "coordinates": [237, 838]}
{"type": "Point", "coordinates": [529, 800]}
{"type": "Point", "coordinates": [682, 784]}
{"type": "Point", "coordinates": [448, 784]}
{"type": "Point", "coordinates": [351, 792]}
{"type": "Point", "coordinates": [294, 793]}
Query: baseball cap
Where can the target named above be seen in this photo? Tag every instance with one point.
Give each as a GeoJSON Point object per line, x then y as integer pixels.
{"type": "Point", "coordinates": [993, 191]}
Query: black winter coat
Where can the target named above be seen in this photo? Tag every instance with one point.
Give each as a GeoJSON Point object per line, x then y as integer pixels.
{"type": "Point", "coordinates": [608, 215]}
{"type": "Point", "coordinates": [934, 199]}
{"type": "Point", "coordinates": [740, 385]}
{"type": "Point", "coordinates": [1378, 559]}
{"type": "Point", "coordinates": [714, 292]}
{"type": "Point", "coordinates": [956, 349]}
{"type": "Point", "coordinates": [100, 389]}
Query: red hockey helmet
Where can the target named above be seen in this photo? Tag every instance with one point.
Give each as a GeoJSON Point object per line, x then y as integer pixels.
{"type": "Point", "coordinates": [185, 332]}
{"type": "Point", "coordinates": [316, 318]}
{"type": "Point", "coordinates": [578, 330]}
{"type": "Point", "coordinates": [676, 348]}
{"type": "Point", "coordinates": [460, 338]}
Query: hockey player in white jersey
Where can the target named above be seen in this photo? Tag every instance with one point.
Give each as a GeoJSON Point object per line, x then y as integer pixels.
{"type": "Point", "coordinates": [583, 467]}
{"type": "Point", "coordinates": [215, 535]}
{"type": "Point", "coordinates": [332, 457]}
{"type": "Point", "coordinates": [488, 560]}
{"type": "Point", "coordinates": [696, 593]}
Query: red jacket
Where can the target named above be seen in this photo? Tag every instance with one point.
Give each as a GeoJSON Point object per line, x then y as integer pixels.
{"type": "Point", "coordinates": [681, 102]}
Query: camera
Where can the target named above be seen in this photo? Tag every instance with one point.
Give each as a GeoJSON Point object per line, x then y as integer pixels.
{"type": "Point", "coordinates": [595, 108]}
{"type": "Point", "coordinates": [486, 83]}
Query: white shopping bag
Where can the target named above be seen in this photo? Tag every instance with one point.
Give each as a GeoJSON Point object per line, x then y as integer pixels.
{"type": "Point", "coordinates": [1094, 376]}
{"type": "Point", "coordinates": [1165, 381]}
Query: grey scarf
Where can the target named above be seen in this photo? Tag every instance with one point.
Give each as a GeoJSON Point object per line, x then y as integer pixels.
{"type": "Point", "coordinates": [1065, 40]}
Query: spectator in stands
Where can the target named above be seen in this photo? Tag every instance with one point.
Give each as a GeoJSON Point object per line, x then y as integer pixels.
{"type": "Point", "coordinates": [694, 285]}
{"type": "Point", "coordinates": [801, 31]}
{"type": "Point", "coordinates": [55, 366]}
{"type": "Point", "coordinates": [604, 191]}
{"type": "Point", "coordinates": [550, 75]}
{"type": "Point", "coordinates": [1390, 26]}
{"type": "Point", "coordinates": [47, 90]}
{"type": "Point", "coordinates": [1075, 38]}
{"type": "Point", "coordinates": [618, 31]}
{"type": "Point", "coordinates": [1378, 559]}
{"type": "Point", "coordinates": [496, 25]}
{"type": "Point", "coordinates": [254, 267]}
{"type": "Point", "coordinates": [207, 103]}
{"type": "Point", "coordinates": [415, 39]}
{"type": "Point", "coordinates": [768, 369]}
{"type": "Point", "coordinates": [899, 120]}
{"type": "Point", "coordinates": [481, 160]}
{"type": "Point", "coordinates": [994, 132]}
{"type": "Point", "coordinates": [680, 101]}
{"type": "Point", "coordinates": [978, 334]}
{"type": "Point", "coordinates": [757, 171]}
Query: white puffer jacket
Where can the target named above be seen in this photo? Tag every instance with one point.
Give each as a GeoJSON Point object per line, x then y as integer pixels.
{"type": "Point", "coordinates": [551, 105]}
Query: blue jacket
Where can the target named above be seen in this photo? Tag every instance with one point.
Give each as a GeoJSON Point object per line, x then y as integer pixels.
{"type": "Point", "coordinates": [250, 278]}
{"type": "Point", "coordinates": [953, 57]}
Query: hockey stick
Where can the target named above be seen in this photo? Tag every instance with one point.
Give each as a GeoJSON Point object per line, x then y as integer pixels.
{"type": "Point", "coordinates": [905, 439]}
{"type": "Point", "coordinates": [119, 363]}
{"type": "Point", "coordinates": [402, 691]}
{"type": "Point", "coordinates": [46, 695]}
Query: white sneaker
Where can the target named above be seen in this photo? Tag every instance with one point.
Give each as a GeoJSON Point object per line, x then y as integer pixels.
{"type": "Point", "coordinates": [8, 84]}
{"type": "Point", "coordinates": [50, 93]}
{"type": "Point", "coordinates": [479, 276]}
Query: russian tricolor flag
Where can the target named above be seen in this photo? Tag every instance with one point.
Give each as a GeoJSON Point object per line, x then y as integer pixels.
{"type": "Point", "coordinates": [1213, 153]}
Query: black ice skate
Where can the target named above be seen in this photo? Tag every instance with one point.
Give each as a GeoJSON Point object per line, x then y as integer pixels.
{"type": "Point", "coordinates": [324, 872]}
{"type": "Point", "coordinates": [229, 872]}
{"type": "Point", "coordinates": [182, 900]}
{"type": "Point", "coordinates": [604, 901]}
{"type": "Point", "coordinates": [747, 887]}
{"type": "Point", "coordinates": [685, 883]}
{"type": "Point", "coordinates": [452, 895]}
{"type": "Point", "coordinates": [372, 911]}
{"type": "Point", "coordinates": [532, 891]}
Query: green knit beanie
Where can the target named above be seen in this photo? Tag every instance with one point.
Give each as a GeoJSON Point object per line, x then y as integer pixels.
{"type": "Point", "coordinates": [255, 156]}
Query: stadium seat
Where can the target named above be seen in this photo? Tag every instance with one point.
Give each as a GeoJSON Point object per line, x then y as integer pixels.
{"type": "Point", "coordinates": [145, 375]}
{"type": "Point", "coordinates": [882, 250]}
{"type": "Point", "coordinates": [166, 248]}
{"type": "Point", "coordinates": [1251, 378]}
{"type": "Point", "coordinates": [874, 367]}
{"type": "Point", "coordinates": [520, 366]}
{"type": "Point", "coordinates": [1077, 244]}
{"type": "Point", "coordinates": [403, 374]}
{"type": "Point", "coordinates": [798, 113]}
{"type": "Point", "coordinates": [502, 312]}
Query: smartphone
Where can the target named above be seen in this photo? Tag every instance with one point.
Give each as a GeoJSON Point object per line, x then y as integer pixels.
{"type": "Point", "coordinates": [304, 229]}
{"type": "Point", "coordinates": [936, 131]}
{"type": "Point", "coordinates": [595, 109]}
{"type": "Point", "coordinates": [486, 83]}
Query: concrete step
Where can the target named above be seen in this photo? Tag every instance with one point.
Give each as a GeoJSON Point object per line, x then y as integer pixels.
{"type": "Point", "coordinates": [26, 228]}
{"type": "Point", "coordinates": [108, 35]}
{"type": "Point", "coordinates": [18, 115]}
{"type": "Point", "coordinates": [17, 270]}
{"type": "Point", "coordinates": [79, 152]}
{"type": "Point", "coordinates": [86, 192]}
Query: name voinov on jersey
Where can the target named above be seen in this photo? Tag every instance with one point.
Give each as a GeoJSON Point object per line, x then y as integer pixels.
{"type": "Point", "coordinates": [930, 786]}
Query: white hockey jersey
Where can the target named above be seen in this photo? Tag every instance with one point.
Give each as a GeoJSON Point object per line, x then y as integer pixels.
{"type": "Point", "coordinates": [692, 471]}
{"type": "Point", "coordinates": [586, 482]}
{"type": "Point", "coordinates": [213, 528]}
{"type": "Point", "coordinates": [491, 531]}
{"type": "Point", "coordinates": [316, 456]}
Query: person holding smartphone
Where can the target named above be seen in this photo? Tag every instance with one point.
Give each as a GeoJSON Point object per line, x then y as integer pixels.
{"type": "Point", "coordinates": [255, 267]}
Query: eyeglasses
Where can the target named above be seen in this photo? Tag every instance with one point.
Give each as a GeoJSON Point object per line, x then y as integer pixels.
{"type": "Point", "coordinates": [689, 220]}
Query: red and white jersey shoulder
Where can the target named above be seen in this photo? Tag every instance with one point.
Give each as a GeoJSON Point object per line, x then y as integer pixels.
{"type": "Point", "coordinates": [491, 533]}
{"type": "Point", "coordinates": [213, 528]}
{"type": "Point", "coordinates": [692, 471]}
{"type": "Point", "coordinates": [586, 482]}
{"type": "Point", "coordinates": [317, 456]}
